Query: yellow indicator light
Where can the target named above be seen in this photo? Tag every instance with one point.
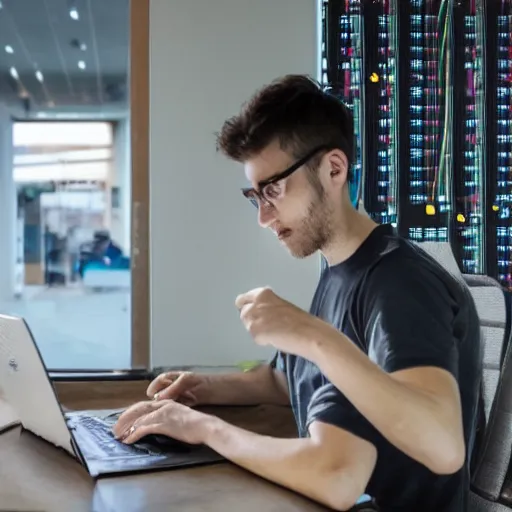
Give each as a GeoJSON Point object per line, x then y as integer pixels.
{"type": "Point", "coordinates": [461, 218]}
{"type": "Point", "coordinates": [430, 209]}
{"type": "Point", "coordinates": [495, 207]}
{"type": "Point", "coordinates": [374, 78]}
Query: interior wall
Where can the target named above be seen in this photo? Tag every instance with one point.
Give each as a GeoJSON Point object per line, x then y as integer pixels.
{"type": "Point", "coordinates": [206, 58]}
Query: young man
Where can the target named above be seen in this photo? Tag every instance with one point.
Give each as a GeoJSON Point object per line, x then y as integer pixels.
{"type": "Point", "coordinates": [383, 373]}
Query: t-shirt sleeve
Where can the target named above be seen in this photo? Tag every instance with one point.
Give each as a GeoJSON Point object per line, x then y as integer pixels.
{"type": "Point", "coordinates": [330, 406]}
{"type": "Point", "coordinates": [408, 315]}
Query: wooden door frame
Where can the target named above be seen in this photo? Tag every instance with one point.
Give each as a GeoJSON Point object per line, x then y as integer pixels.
{"type": "Point", "coordinates": [82, 383]}
{"type": "Point", "coordinates": [139, 121]}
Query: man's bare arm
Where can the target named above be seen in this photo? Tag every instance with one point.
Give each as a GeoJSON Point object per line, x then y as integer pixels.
{"type": "Point", "coordinates": [261, 385]}
{"type": "Point", "coordinates": [418, 410]}
{"type": "Point", "coordinates": [332, 466]}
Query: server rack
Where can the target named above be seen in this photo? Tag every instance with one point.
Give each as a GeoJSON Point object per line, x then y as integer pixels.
{"type": "Point", "coordinates": [433, 107]}
{"type": "Point", "coordinates": [425, 103]}
{"type": "Point", "coordinates": [468, 221]}
{"type": "Point", "coordinates": [342, 55]}
{"type": "Point", "coordinates": [498, 34]}
{"type": "Point", "coordinates": [380, 191]}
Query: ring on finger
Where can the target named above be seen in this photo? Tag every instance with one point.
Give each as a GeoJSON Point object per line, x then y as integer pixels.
{"type": "Point", "coordinates": [127, 433]}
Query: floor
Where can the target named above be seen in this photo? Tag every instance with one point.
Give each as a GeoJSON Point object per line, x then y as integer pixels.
{"type": "Point", "coordinates": [76, 328]}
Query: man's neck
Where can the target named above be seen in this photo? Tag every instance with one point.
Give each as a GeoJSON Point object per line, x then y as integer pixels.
{"type": "Point", "coordinates": [349, 236]}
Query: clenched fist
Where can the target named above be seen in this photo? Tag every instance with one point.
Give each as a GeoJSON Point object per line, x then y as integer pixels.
{"type": "Point", "coordinates": [274, 321]}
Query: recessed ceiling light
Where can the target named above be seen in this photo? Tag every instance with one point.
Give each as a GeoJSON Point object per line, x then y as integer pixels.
{"type": "Point", "coordinates": [73, 13]}
{"type": "Point", "coordinates": [14, 73]}
{"type": "Point", "coordinates": [83, 47]}
{"type": "Point", "coordinates": [1, 5]}
{"type": "Point", "coordinates": [81, 64]}
{"type": "Point", "coordinates": [39, 76]}
{"type": "Point", "coordinates": [9, 48]}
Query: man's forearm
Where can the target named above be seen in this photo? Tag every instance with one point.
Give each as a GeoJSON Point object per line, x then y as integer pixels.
{"type": "Point", "coordinates": [410, 418]}
{"type": "Point", "coordinates": [297, 464]}
{"type": "Point", "coordinates": [257, 386]}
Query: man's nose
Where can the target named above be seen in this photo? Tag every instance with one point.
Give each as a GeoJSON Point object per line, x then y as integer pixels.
{"type": "Point", "coordinates": [266, 215]}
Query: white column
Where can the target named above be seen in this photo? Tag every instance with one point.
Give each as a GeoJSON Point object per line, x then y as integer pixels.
{"type": "Point", "coordinates": [121, 179]}
{"type": "Point", "coordinates": [7, 209]}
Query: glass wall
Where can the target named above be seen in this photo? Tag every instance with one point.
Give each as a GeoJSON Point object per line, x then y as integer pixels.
{"type": "Point", "coordinates": [65, 126]}
{"type": "Point", "coordinates": [74, 260]}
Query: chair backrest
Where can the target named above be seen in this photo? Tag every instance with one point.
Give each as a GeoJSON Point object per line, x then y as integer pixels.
{"type": "Point", "coordinates": [493, 461]}
{"type": "Point", "coordinates": [490, 304]}
{"type": "Point", "coordinates": [443, 254]}
{"type": "Point", "coordinates": [490, 484]}
{"type": "Point", "coordinates": [492, 481]}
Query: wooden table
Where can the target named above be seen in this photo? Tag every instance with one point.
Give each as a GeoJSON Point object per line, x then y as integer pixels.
{"type": "Point", "coordinates": [34, 476]}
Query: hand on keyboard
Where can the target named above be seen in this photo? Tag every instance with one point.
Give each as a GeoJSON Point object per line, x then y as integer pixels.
{"type": "Point", "coordinates": [161, 417]}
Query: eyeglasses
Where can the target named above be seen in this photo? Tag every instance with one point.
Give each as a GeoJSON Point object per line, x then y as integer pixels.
{"type": "Point", "coordinates": [271, 189]}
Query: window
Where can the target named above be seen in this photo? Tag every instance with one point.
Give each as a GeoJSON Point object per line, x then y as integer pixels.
{"type": "Point", "coordinates": [71, 181]}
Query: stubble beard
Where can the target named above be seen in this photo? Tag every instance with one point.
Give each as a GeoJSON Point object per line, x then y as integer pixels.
{"type": "Point", "coordinates": [315, 231]}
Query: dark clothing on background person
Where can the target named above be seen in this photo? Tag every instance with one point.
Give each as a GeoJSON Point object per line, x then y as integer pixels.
{"type": "Point", "coordinates": [112, 251]}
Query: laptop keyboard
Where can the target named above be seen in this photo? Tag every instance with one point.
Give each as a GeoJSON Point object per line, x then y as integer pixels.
{"type": "Point", "coordinates": [101, 438]}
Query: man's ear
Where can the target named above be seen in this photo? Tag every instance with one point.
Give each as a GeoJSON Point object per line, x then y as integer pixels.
{"type": "Point", "coordinates": [339, 167]}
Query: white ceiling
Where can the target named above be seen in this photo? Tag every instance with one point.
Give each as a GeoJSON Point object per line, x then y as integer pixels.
{"type": "Point", "coordinates": [47, 42]}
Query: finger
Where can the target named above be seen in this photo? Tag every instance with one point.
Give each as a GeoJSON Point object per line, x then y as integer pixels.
{"type": "Point", "coordinates": [139, 431]}
{"type": "Point", "coordinates": [245, 312]}
{"type": "Point", "coordinates": [151, 418]}
{"type": "Point", "coordinates": [161, 382]}
{"type": "Point", "coordinates": [242, 300]}
{"type": "Point", "coordinates": [156, 386]}
{"type": "Point", "coordinates": [133, 413]}
{"type": "Point", "coordinates": [189, 399]}
{"type": "Point", "coordinates": [251, 296]}
{"type": "Point", "coordinates": [176, 388]}
{"type": "Point", "coordinates": [247, 298]}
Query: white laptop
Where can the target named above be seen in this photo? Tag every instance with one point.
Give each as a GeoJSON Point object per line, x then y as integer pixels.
{"type": "Point", "coordinates": [25, 385]}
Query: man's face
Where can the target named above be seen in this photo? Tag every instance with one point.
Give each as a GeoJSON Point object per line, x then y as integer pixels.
{"type": "Point", "coordinates": [300, 215]}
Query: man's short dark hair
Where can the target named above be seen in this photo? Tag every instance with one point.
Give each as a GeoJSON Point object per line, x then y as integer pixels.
{"type": "Point", "coordinates": [295, 111]}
